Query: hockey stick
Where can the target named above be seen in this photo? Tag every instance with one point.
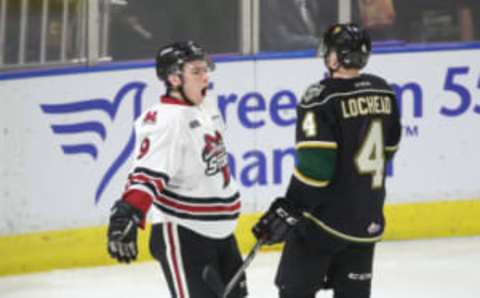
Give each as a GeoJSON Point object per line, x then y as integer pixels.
{"type": "Point", "coordinates": [214, 281]}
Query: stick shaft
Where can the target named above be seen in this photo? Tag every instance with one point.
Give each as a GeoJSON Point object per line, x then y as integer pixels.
{"type": "Point", "coordinates": [251, 255]}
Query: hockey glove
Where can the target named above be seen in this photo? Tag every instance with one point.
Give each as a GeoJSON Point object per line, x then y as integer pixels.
{"type": "Point", "coordinates": [122, 232]}
{"type": "Point", "coordinates": [274, 225]}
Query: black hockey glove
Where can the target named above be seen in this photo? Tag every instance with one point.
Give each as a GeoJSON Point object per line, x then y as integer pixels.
{"type": "Point", "coordinates": [276, 222]}
{"type": "Point", "coordinates": [122, 232]}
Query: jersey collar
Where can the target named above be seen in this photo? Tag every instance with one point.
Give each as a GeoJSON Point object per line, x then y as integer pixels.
{"type": "Point", "coordinates": [172, 100]}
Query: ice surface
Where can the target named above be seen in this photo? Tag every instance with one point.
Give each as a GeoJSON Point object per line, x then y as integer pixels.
{"type": "Point", "coordinates": [439, 268]}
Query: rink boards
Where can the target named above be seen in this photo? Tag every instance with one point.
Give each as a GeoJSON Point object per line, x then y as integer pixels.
{"type": "Point", "coordinates": [83, 247]}
{"type": "Point", "coordinates": [67, 143]}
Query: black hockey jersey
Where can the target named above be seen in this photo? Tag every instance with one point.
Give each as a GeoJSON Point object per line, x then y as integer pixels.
{"type": "Point", "coordinates": [347, 130]}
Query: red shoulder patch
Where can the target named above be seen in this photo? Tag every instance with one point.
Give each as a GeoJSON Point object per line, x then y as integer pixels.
{"type": "Point", "coordinates": [150, 117]}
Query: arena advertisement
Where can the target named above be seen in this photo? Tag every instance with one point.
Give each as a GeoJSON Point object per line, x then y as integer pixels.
{"type": "Point", "coordinates": [67, 139]}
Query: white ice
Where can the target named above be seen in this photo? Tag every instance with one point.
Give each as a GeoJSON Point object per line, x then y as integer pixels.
{"type": "Point", "coordinates": [438, 268]}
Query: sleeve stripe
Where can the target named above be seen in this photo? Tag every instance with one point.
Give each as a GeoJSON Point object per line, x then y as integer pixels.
{"type": "Point", "coordinates": [141, 178]}
{"type": "Point", "coordinates": [201, 200]}
{"type": "Point", "coordinates": [391, 148]}
{"type": "Point", "coordinates": [150, 173]}
{"type": "Point", "coordinates": [316, 144]}
{"type": "Point", "coordinates": [309, 181]}
{"type": "Point", "coordinates": [339, 234]}
{"type": "Point", "coordinates": [142, 188]}
{"type": "Point", "coordinates": [207, 208]}
{"type": "Point", "coordinates": [151, 189]}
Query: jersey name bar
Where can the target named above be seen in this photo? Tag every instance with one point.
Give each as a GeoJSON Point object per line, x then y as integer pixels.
{"type": "Point", "coordinates": [364, 105]}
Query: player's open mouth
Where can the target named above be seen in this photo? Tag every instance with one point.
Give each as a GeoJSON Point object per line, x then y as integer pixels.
{"type": "Point", "coordinates": [204, 91]}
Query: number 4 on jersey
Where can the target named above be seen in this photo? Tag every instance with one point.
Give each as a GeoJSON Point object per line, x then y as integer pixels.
{"type": "Point", "coordinates": [308, 125]}
{"type": "Point", "coordinates": [370, 158]}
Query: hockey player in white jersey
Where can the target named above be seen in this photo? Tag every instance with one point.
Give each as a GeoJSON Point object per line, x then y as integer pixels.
{"type": "Point", "coordinates": [180, 167]}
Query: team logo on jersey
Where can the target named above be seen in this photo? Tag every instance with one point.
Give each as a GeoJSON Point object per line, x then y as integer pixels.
{"type": "Point", "coordinates": [77, 111]}
{"type": "Point", "coordinates": [360, 276]}
{"type": "Point", "coordinates": [214, 154]}
{"type": "Point", "coordinates": [312, 92]}
{"type": "Point", "coordinates": [194, 124]}
{"type": "Point", "coordinates": [374, 228]}
{"type": "Point", "coordinates": [363, 84]}
{"type": "Point", "coordinates": [150, 117]}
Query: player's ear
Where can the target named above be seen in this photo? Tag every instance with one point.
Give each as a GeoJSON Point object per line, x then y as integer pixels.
{"type": "Point", "coordinates": [332, 60]}
{"type": "Point", "coordinates": [174, 80]}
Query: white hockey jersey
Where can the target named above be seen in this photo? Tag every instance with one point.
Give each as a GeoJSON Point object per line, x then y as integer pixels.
{"type": "Point", "coordinates": [181, 164]}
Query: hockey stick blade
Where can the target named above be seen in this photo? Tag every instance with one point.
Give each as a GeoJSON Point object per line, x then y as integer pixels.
{"type": "Point", "coordinates": [214, 281]}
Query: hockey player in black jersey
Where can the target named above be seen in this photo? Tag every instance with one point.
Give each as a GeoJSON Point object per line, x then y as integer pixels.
{"type": "Point", "coordinates": [348, 128]}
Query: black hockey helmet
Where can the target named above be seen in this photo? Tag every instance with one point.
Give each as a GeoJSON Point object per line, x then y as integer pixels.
{"type": "Point", "coordinates": [172, 57]}
{"type": "Point", "coordinates": [350, 42]}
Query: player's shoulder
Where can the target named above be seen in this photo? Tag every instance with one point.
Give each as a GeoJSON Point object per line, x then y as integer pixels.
{"type": "Point", "coordinates": [159, 116]}
{"type": "Point", "coordinates": [324, 92]}
{"type": "Point", "coordinates": [312, 94]}
{"type": "Point", "coordinates": [318, 93]}
{"type": "Point", "coordinates": [374, 82]}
